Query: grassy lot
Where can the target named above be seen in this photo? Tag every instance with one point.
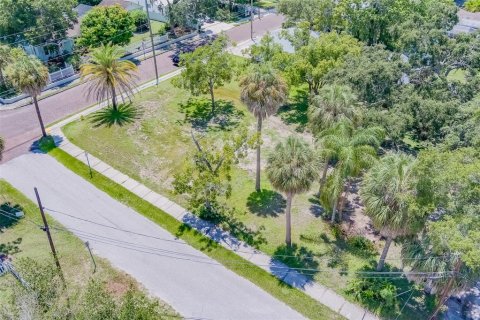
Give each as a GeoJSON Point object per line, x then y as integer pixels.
{"type": "Point", "coordinates": [266, 4]}
{"type": "Point", "coordinates": [157, 27]}
{"type": "Point", "coordinates": [153, 149]}
{"type": "Point", "coordinates": [293, 297]}
{"type": "Point", "coordinates": [25, 239]}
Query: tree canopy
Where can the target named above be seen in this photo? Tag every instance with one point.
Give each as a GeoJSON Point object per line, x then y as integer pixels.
{"type": "Point", "coordinates": [104, 25]}
{"type": "Point", "coordinates": [36, 21]}
{"type": "Point", "coordinates": [206, 68]}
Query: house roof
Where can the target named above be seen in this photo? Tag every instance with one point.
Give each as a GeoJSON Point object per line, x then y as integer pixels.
{"type": "Point", "coordinates": [123, 3]}
{"type": "Point", "coordinates": [81, 10]}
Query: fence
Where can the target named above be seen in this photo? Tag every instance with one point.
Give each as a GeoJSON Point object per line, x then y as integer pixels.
{"type": "Point", "coordinates": [61, 74]}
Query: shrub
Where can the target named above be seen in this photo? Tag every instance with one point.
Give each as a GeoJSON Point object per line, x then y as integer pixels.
{"type": "Point", "coordinates": [223, 15]}
{"type": "Point", "coordinates": [377, 293]}
{"type": "Point", "coordinates": [140, 20]}
{"type": "Point", "coordinates": [361, 246]}
{"type": "Point", "coordinates": [472, 5]}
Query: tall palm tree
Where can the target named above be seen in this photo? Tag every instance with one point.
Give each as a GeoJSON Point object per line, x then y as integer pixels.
{"type": "Point", "coordinates": [108, 75]}
{"type": "Point", "coordinates": [387, 192]}
{"type": "Point", "coordinates": [353, 150]}
{"type": "Point", "coordinates": [29, 75]}
{"type": "Point", "coordinates": [291, 168]}
{"type": "Point", "coordinates": [333, 103]}
{"type": "Point", "coordinates": [263, 91]}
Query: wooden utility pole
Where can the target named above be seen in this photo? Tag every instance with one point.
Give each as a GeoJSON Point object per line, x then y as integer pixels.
{"type": "Point", "coordinates": [151, 39]}
{"type": "Point", "coordinates": [50, 240]}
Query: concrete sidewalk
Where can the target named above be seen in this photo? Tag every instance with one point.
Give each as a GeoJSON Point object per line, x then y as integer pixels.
{"type": "Point", "coordinates": [290, 276]}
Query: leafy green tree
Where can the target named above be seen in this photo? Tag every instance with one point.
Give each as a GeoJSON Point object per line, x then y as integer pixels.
{"type": "Point", "coordinates": [352, 151]}
{"type": "Point", "coordinates": [263, 91]}
{"type": "Point", "coordinates": [30, 76]}
{"type": "Point", "coordinates": [332, 104]}
{"type": "Point", "coordinates": [313, 61]}
{"type": "Point", "coordinates": [291, 168]}
{"type": "Point", "coordinates": [266, 50]}
{"type": "Point", "coordinates": [449, 243]}
{"type": "Point", "coordinates": [109, 76]}
{"type": "Point", "coordinates": [465, 131]}
{"type": "Point", "coordinates": [37, 22]}
{"type": "Point", "coordinates": [206, 68]}
{"type": "Point", "coordinates": [207, 174]}
{"type": "Point", "coordinates": [390, 192]}
{"type": "Point", "coordinates": [140, 20]}
{"type": "Point", "coordinates": [472, 5]}
{"type": "Point", "coordinates": [7, 56]}
{"type": "Point", "coordinates": [317, 13]}
{"type": "Point", "coordinates": [187, 13]}
{"type": "Point", "coordinates": [374, 75]}
{"type": "Point", "coordinates": [104, 25]}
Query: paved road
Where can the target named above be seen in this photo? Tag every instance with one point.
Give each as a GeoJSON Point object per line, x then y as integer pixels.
{"type": "Point", "coordinates": [193, 284]}
{"type": "Point", "coordinates": [20, 127]}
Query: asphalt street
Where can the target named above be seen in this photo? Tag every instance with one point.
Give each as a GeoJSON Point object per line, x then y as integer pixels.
{"type": "Point", "coordinates": [191, 282]}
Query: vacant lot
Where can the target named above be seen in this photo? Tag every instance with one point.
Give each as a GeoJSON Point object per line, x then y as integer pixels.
{"type": "Point", "coordinates": [156, 146]}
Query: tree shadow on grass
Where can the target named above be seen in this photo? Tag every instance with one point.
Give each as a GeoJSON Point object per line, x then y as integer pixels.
{"type": "Point", "coordinates": [301, 258]}
{"type": "Point", "coordinates": [266, 203]}
{"type": "Point", "coordinates": [126, 113]}
{"type": "Point", "coordinates": [297, 111]}
{"type": "Point", "coordinates": [45, 144]}
{"type": "Point", "coordinates": [8, 218]}
{"type": "Point", "coordinates": [220, 225]}
{"type": "Point", "coordinates": [198, 112]}
{"type": "Point", "coordinates": [316, 208]}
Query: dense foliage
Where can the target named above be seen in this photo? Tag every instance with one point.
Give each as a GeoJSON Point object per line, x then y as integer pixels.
{"type": "Point", "coordinates": [104, 25]}
{"type": "Point", "coordinates": [36, 21]}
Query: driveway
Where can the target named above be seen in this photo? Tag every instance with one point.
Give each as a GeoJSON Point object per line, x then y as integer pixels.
{"type": "Point", "coordinates": [191, 282]}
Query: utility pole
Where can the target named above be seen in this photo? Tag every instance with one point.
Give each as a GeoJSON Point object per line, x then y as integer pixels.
{"type": "Point", "coordinates": [50, 240]}
{"type": "Point", "coordinates": [251, 19]}
{"type": "Point", "coordinates": [151, 39]}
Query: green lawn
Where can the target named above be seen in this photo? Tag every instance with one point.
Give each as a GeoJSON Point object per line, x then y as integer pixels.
{"type": "Point", "coordinates": [138, 37]}
{"type": "Point", "coordinates": [155, 147]}
{"type": "Point", "coordinates": [266, 4]}
{"type": "Point", "coordinates": [25, 239]}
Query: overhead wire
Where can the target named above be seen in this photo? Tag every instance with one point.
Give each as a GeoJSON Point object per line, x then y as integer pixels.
{"type": "Point", "coordinates": [190, 257]}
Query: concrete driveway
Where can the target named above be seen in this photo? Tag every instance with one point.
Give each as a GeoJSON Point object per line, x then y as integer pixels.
{"type": "Point", "coordinates": [192, 283]}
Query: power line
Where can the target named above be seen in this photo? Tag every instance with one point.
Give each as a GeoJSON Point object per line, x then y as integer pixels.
{"type": "Point", "coordinates": [177, 241]}
{"type": "Point", "coordinates": [183, 256]}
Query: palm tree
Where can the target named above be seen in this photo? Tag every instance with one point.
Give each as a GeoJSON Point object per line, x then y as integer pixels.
{"type": "Point", "coordinates": [291, 168]}
{"type": "Point", "coordinates": [387, 191]}
{"type": "Point", "coordinates": [353, 150]}
{"type": "Point", "coordinates": [263, 91]}
{"type": "Point", "coordinates": [108, 75]}
{"type": "Point", "coordinates": [30, 76]}
{"type": "Point", "coordinates": [333, 103]}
